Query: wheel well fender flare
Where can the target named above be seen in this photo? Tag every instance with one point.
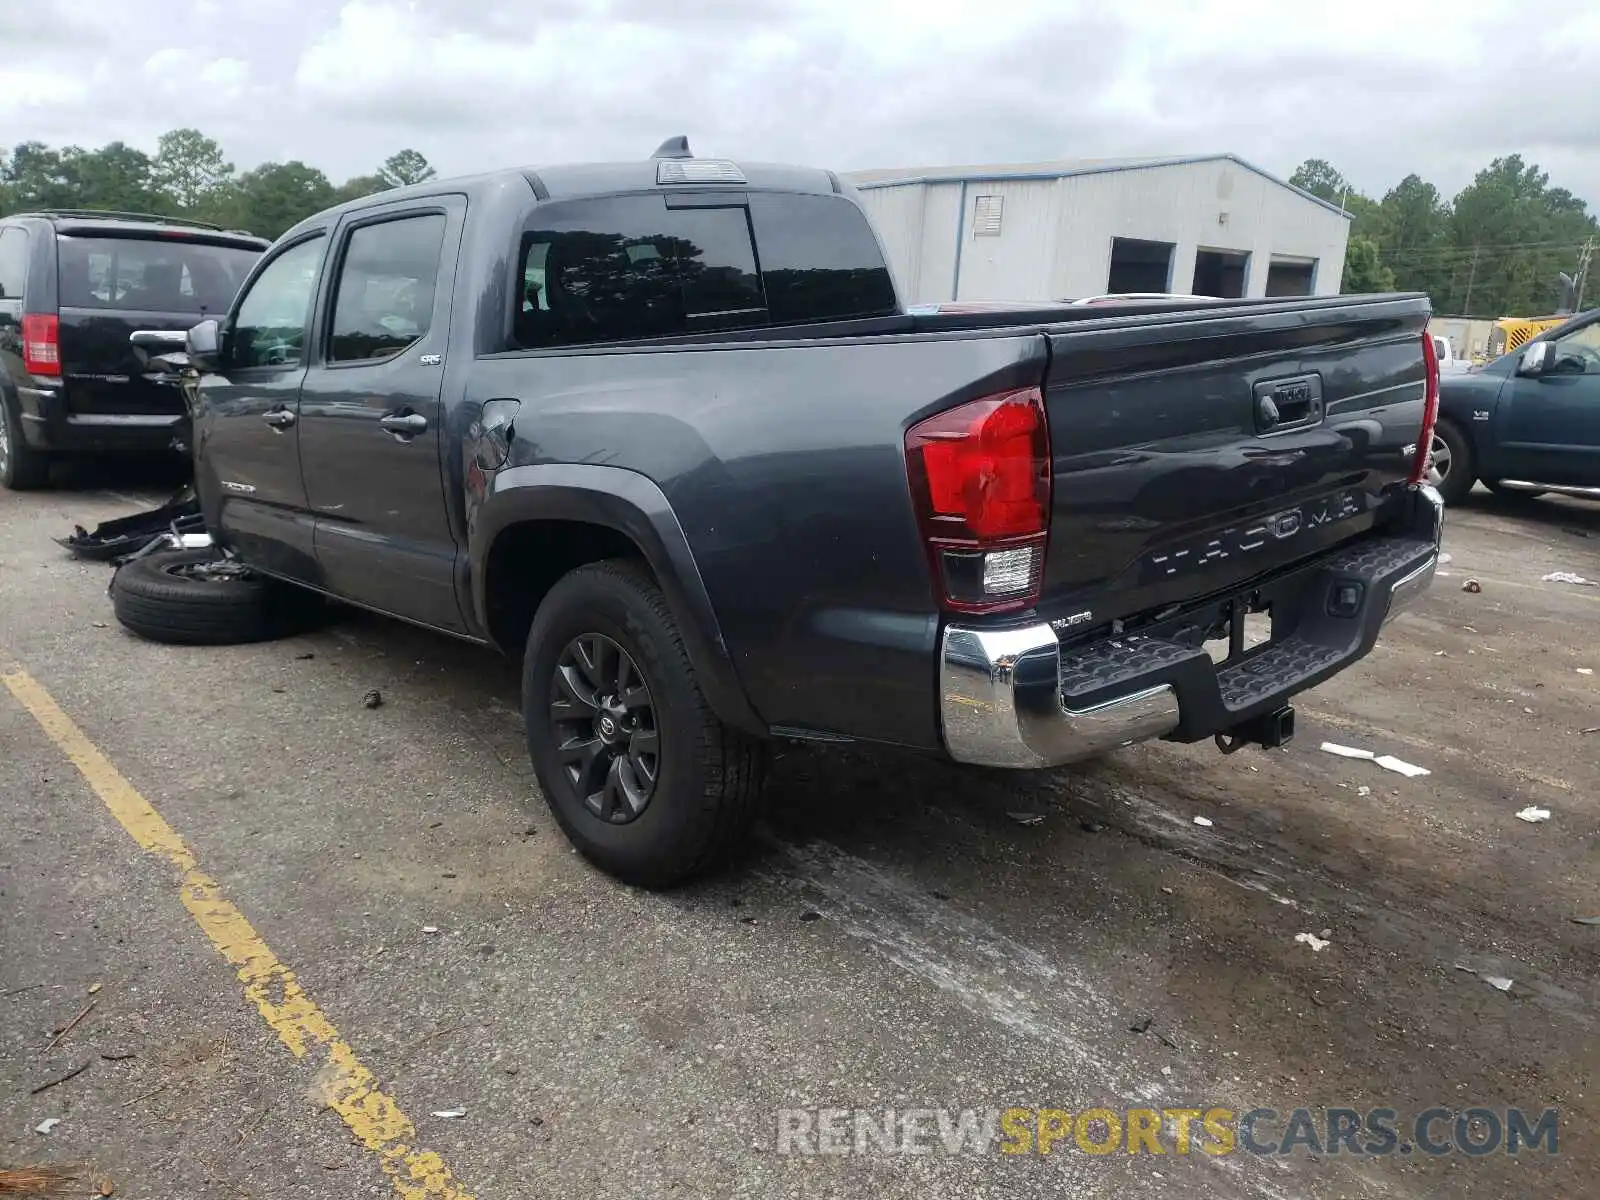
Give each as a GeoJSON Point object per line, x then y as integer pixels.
{"type": "Point", "coordinates": [632, 505]}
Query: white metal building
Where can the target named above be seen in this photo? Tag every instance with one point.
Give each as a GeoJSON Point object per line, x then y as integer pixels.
{"type": "Point", "coordinates": [1211, 225]}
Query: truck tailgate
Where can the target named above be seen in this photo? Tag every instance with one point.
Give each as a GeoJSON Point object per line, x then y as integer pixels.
{"type": "Point", "coordinates": [1197, 450]}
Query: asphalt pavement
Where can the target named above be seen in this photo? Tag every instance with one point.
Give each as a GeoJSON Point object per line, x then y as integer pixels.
{"type": "Point", "coordinates": [329, 950]}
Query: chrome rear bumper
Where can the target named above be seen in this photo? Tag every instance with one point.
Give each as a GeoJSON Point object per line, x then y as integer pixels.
{"type": "Point", "coordinates": [1005, 699]}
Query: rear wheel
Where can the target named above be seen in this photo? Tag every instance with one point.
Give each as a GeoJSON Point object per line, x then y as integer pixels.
{"type": "Point", "coordinates": [638, 771]}
{"type": "Point", "coordinates": [196, 597]}
{"type": "Point", "coordinates": [22, 468]}
{"type": "Point", "coordinates": [1451, 467]}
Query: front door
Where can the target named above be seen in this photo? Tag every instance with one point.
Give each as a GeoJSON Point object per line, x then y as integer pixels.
{"type": "Point", "coordinates": [370, 416]}
{"type": "Point", "coordinates": [1551, 427]}
{"type": "Point", "coordinates": [247, 449]}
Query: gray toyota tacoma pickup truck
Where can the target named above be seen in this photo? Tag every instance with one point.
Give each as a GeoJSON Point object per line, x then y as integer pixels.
{"type": "Point", "coordinates": [665, 432]}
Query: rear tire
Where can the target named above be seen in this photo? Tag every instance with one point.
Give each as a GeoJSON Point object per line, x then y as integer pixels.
{"type": "Point", "coordinates": [162, 597]}
{"type": "Point", "coordinates": [664, 790]}
{"type": "Point", "coordinates": [22, 468]}
{"type": "Point", "coordinates": [1454, 466]}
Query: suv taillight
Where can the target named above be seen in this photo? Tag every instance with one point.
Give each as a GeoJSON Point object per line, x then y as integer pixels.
{"type": "Point", "coordinates": [41, 344]}
{"type": "Point", "coordinates": [980, 479]}
{"type": "Point", "coordinates": [1430, 409]}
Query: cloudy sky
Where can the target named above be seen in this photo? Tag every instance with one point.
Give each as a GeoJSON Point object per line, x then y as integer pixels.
{"type": "Point", "coordinates": [1378, 88]}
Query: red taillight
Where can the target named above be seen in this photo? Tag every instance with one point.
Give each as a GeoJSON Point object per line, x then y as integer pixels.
{"type": "Point", "coordinates": [41, 344]}
{"type": "Point", "coordinates": [1430, 409]}
{"type": "Point", "coordinates": [980, 477]}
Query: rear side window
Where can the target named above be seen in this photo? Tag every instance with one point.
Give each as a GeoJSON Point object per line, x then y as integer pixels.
{"type": "Point", "coordinates": [626, 267]}
{"type": "Point", "coordinates": [13, 263]}
{"type": "Point", "coordinates": [150, 275]}
{"type": "Point", "coordinates": [819, 259]}
{"type": "Point", "coordinates": [386, 287]}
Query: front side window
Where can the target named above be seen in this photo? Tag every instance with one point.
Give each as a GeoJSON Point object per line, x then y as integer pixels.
{"type": "Point", "coordinates": [1579, 352]}
{"type": "Point", "coordinates": [386, 286]}
{"type": "Point", "coordinates": [13, 263]}
{"type": "Point", "coordinates": [626, 267]}
{"type": "Point", "coordinates": [270, 328]}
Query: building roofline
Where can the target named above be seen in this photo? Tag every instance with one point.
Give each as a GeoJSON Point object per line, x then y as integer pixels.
{"type": "Point", "coordinates": [1067, 171]}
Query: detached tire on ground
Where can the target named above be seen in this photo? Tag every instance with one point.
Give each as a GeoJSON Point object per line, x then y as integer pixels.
{"type": "Point", "coordinates": [638, 771]}
{"type": "Point", "coordinates": [193, 597]}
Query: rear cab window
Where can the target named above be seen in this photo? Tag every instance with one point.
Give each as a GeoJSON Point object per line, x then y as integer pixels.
{"type": "Point", "coordinates": [620, 268]}
{"type": "Point", "coordinates": [13, 262]}
{"type": "Point", "coordinates": [163, 275]}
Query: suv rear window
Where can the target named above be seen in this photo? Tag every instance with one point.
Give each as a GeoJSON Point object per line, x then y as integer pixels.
{"type": "Point", "coordinates": [624, 267]}
{"type": "Point", "coordinates": [148, 275]}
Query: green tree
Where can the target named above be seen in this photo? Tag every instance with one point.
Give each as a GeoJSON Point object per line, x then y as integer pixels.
{"type": "Point", "coordinates": [1364, 270]}
{"type": "Point", "coordinates": [36, 177]}
{"type": "Point", "coordinates": [116, 176]}
{"type": "Point", "coordinates": [404, 168]}
{"type": "Point", "coordinates": [1319, 177]}
{"type": "Point", "coordinates": [276, 196]}
{"type": "Point", "coordinates": [359, 186]}
{"type": "Point", "coordinates": [190, 172]}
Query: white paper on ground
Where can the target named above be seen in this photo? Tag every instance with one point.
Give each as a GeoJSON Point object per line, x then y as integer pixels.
{"type": "Point", "coordinates": [1410, 770]}
{"type": "Point", "coordinates": [1563, 577]}
{"type": "Point", "coordinates": [1312, 940]}
{"type": "Point", "coordinates": [1346, 751]}
{"type": "Point", "coordinates": [1534, 815]}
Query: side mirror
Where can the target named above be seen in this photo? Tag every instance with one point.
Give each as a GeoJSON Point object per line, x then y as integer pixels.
{"type": "Point", "coordinates": [204, 343]}
{"type": "Point", "coordinates": [1535, 359]}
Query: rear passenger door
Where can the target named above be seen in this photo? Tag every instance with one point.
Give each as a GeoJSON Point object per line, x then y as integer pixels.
{"type": "Point", "coordinates": [370, 415]}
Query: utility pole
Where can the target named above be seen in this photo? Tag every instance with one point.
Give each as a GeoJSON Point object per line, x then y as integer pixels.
{"type": "Point", "coordinates": [1466, 309]}
{"type": "Point", "coordinates": [1583, 274]}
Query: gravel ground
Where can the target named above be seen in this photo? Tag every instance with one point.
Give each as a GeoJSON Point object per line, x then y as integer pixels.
{"type": "Point", "coordinates": [903, 935]}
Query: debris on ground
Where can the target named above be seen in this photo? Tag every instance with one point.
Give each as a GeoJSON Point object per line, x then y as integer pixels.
{"type": "Point", "coordinates": [1586, 920]}
{"type": "Point", "coordinates": [38, 1181]}
{"type": "Point", "coordinates": [1591, 729]}
{"type": "Point", "coordinates": [450, 1114]}
{"type": "Point", "coordinates": [811, 914]}
{"type": "Point", "coordinates": [1346, 751]}
{"type": "Point", "coordinates": [107, 1187]}
{"type": "Point", "coordinates": [72, 1074]}
{"type": "Point", "coordinates": [1363, 790]}
{"type": "Point", "coordinates": [373, 699]}
{"type": "Point", "coordinates": [45, 1126]}
{"type": "Point", "coordinates": [1142, 1025]}
{"type": "Point", "coordinates": [1567, 577]}
{"type": "Point", "coordinates": [1444, 558]}
{"type": "Point", "coordinates": [1203, 821]}
{"type": "Point", "coordinates": [430, 929]}
{"type": "Point", "coordinates": [1499, 982]}
{"type": "Point", "coordinates": [93, 988]}
{"type": "Point", "coordinates": [1533, 815]}
{"type": "Point", "coordinates": [1316, 943]}
{"type": "Point", "coordinates": [305, 657]}
{"type": "Point", "coordinates": [1585, 670]}
{"type": "Point", "coordinates": [71, 1025]}
{"type": "Point", "coordinates": [1473, 586]}
{"type": "Point", "coordinates": [1026, 818]}
{"type": "Point", "coordinates": [1410, 770]}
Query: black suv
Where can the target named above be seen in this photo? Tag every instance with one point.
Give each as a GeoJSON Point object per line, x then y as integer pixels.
{"type": "Point", "coordinates": [73, 285]}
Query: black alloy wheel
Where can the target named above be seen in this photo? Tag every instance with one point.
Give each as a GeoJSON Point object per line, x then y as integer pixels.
{"type": "Point", "coordinates": [605, 724]}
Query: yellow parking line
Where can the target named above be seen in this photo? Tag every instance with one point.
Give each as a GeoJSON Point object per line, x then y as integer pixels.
{"type": "Point", "coordinates": [346, 1085]}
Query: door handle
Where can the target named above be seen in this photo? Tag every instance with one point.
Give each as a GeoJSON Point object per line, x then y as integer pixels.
{"type": "Point", "coordinates": [280, 418]}
{"type": "Point", "coordinates": [405, 424]}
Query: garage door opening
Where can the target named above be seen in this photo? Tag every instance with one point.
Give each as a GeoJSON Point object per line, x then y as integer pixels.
{"type": "Point", "coordinates": [1220, 273]}
{"type": "Point", "coordinates": [1291, 276]}
{"type": "Point", "coordinates": [1140, 266]}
